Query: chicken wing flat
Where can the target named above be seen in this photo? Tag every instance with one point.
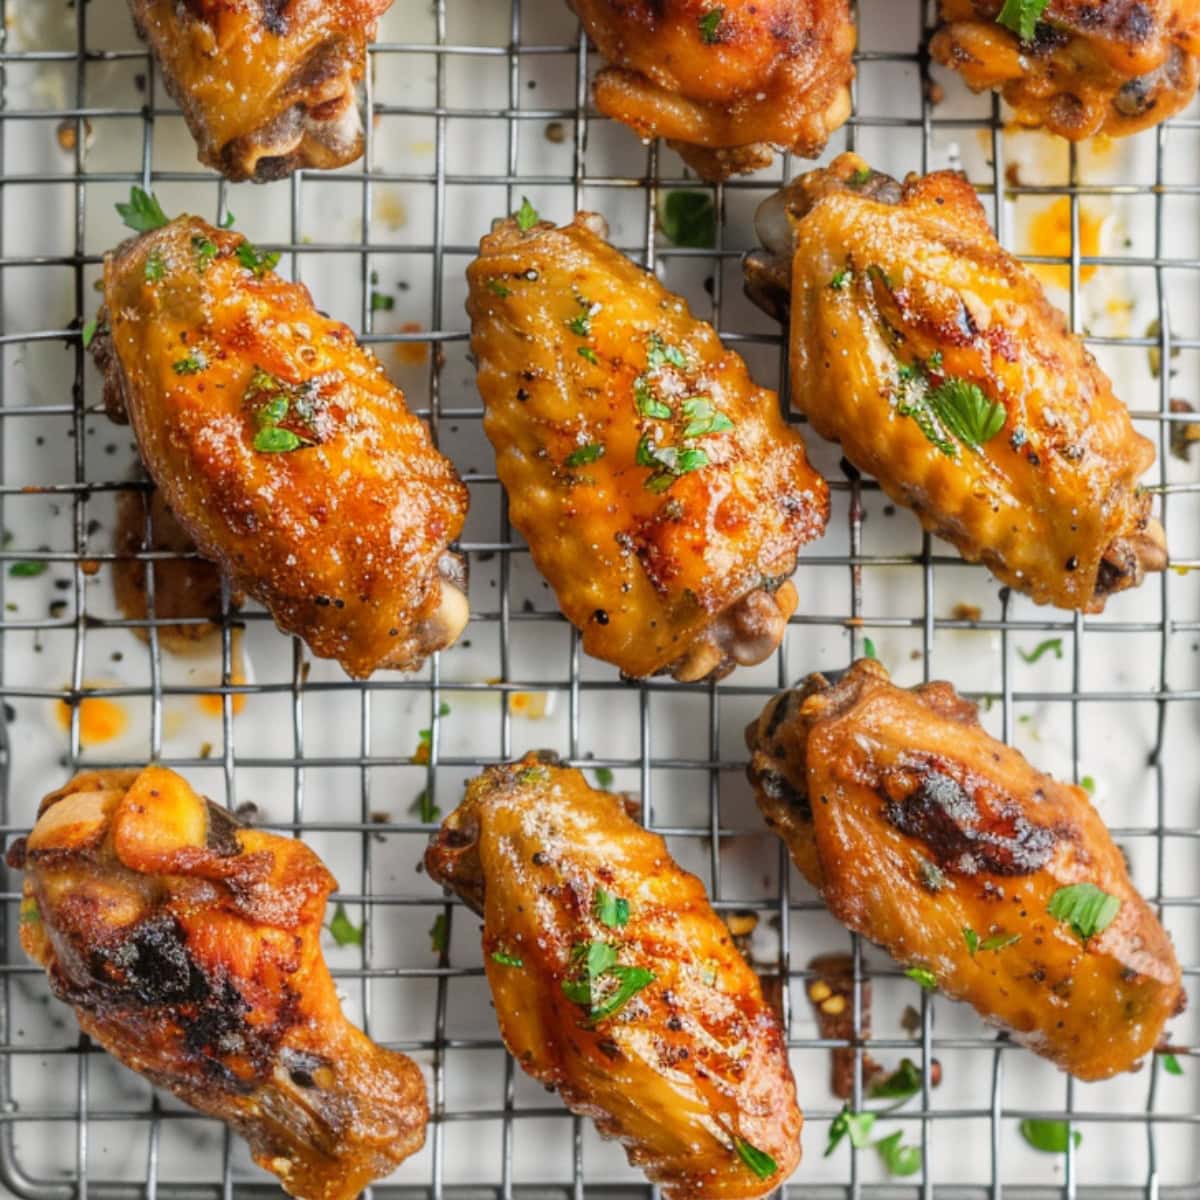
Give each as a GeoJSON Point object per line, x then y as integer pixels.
{"type": "Point", "coordinates": [661, 493]}
{"type": "Point", "coordinates": [281, 448]}
{"type": "Point", "coordinates": [189, 948]}
{"type": "Point", "coordinates": [265, 86]}
{"type": "Point", "coordinates": [724, 84]}
{"type": "Point", "coordinates": [929, 837]}
{"type": "Point", "coordinates": [936, 360]}
{"type": "Point", "coordinates": [616, 985]}
{"type": "Point", "coordinates": [1085, 67]}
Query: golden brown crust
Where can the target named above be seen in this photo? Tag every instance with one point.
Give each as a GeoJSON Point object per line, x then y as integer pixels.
{"type": "Point", "coordinates": [1094, 67]}
{"type": "Point", "coordinates": [189, 948]}
{"type": "Point", "coordinates": [695, 1059]}
{"type": "Point", "coordinates": [344, 539]}
{"type": "Point", "coordinates": [768, 73]}
{"type": "Point", "coordinates": [897, 290]}
{"type": "Point", "coordinates": [915, 825]}
{"type": "Point", "coordinates": [266, 86]}
{"type": "Point", "coordinates": [577, 348]}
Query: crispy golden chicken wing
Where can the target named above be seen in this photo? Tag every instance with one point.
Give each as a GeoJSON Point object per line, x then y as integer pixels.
{"type": "Point", "coordinates": [281, 447]}
{"type": "Point", "coordinates": [724, 84]}
{"type": "Point", "coordinates": [924, 834]}
{"type": "Point", "coordinates": [936, 360]}
{"type": "Point", "coordinates": [189, 948]}
{"type": "Point", "coordinates": [616, 985]}
{"type": "Point", "coordinates": [266, 86]}
{"type": "Point", "coordinates": [660, 491]}
{"type": "Point", "coordinates": [1090, 67]}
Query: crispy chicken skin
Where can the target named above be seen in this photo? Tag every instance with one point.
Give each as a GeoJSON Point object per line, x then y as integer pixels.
{"type": "Point", "coordinates": [1094, 66]}
{"type": "Point", "coordinates": [341, 528]}
{"type": "Point", "coordinates": [189, 948]}
{"type": "Point", "coordinates": [266, 86]}
{"type": "Point", "coordinates": [689, 1070]}
{"type": "Point", "coordinates": [915, 826]}
{"type": "Point", "coordinates": [725, 84]}
{"type": "Point", "coordinates": [904, 307]}
{"type": "Point", "coordinates": [667, 549]}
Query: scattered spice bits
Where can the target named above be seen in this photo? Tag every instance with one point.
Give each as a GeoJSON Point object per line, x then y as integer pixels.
{"type": "Point", "coordinates": [1086, 908]}
{"type": "Point", "coordinates": [831, 994]}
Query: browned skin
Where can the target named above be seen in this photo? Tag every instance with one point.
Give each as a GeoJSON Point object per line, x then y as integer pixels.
{"type": "Point", "coordinates": [693, 577]}
{"type": "Point", "coordinates": [776, 74]}
{"type": "Point", "coordinates": [914, 824]}
{"type": "Point", "coordinates": [266, 86]}
{"type": "Point", "coordinates": [1051, 503]}
{"type": "Point", "coordinates": [345, 539]}
{"type": "Point", "coordinates": [695, 1059]}
{"type": "Point", "coordinates": [1094, 67]}
{"type": "Point", "coordinates": [189, 948]}
{"type": "Point", "coordinates": [186, 589]}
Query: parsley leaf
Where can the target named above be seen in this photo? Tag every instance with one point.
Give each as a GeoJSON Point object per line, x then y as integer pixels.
{"type": "Point", "coordinates": [1050, 1137]}
{"type": "Point", "coordinates": [273, 440]}
{"type": "Point", "coordinates": [344, 931]}
{"type": "Point", "coordinates": [498, 289]}
{"type": "Point", "coordinates": [89, 332]}
{"type": "Point", "coordinates": [924, 977]}
{"type": "Point", "coordinates": [999, 941]}
{"type": "Point", "coordinates": [759, 1161]}
{"type": "Point", "coordinates": [424, 809]}
{"type": "Point", "coordinates": [1085, 907]}
{"type": "Point", "coordinates": [155, 267]}
{"type": "Point", "coordinates": [1050, 644]}
{"type": "Point", "coordinates": [966, 412]}
{"type": "Point", "coordinates": [903, 1082]}
{"type": "Point", "coordinates": [689, 219]}
{"type": "Point", "coordinates": [856, 1126]}
{"type": "Point", "coordinates": [1022, 17]}
{"type": "Point", "coordinates": [588, 353]}
{"type": "Point", "coordinates": [439, 934]}
{"type": "Point", "coordinates": [1088, 784]}
{"type": "Point", "coordinates": [381, 302]}
{"type": "Point", "coordinates": [972, 940]}
{"type": "Point", "coordinates": [585, 454]}
{"type": "Point", "coordinates": [869, 648]}
{"type": "Point", "coordinates": [526, 216]}
{"type": "Point", "coordinates": [648, 404]}
{"type": "Point", "coordinates": [630, 981]}
{"type": "Point", "coordinates": [841, 277]}
{"type": "Point", "coordinates": [206, 251]}
{"type": "Point", "coordinates": [659, 354]}
{"type": "Point", "coordinates": [669, 462]}
{"type": "Point", "coordinates": [257, 261]}
{"type": "Point", "coordinates": [192, 365]}
{"type": "Point", "coordinates": [860, 178]}
{"type": "Point", "coordinates": [897, 1158]}
{"type": "Point", "coordinates": [1170, 1064]}
{"type": "Point", "coordinates": [604, 776]}
{"type": "Point", "coordinates": [596, 962]}
{"type": "Point", "coordinates": [703, 418]}
{"type": "Point", "coordinates": [710, 25]}
{"type": "Point", "coordinates": [142, 212]}
{"type": "Point", "coordinates": [507, 960]}
{"type": "Point", "coordinates": [27, 570]}
{"type": "Point", "coordinates": [226, 222]}
{"type": "Point", "coordinates": [610, 910]}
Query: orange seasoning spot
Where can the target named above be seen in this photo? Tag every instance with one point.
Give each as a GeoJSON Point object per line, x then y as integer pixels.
{"type": "Point", "coordinates": [213, 705]}
{"type": "Point", "coordinates": [1049, 234]}
{"type": "Point", "coordinates": [412, 354]}
{"type": "Point", "coordinates": [100, 719]}
{"type": "Point", "coordinates": [528, 704]}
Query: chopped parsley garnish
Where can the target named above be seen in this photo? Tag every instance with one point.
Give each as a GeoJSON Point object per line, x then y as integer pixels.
{"type": "Point", "coordinates": [439, 934]}
{"type": "Point", "coordinates": [898, 1159]}
{"type": "Point", "coordinates": [996, 942]}
{"type": "Point", "coordinates": [954, 409]}
{"type": "Point", "coordinates": [581, 323]}
{"type": "Point", "coordinates": [206, 251]}
{"type": "Point", "coordinates": [281, 401]}
{"type": "Point", "coordinates": [1086, 908]}
{"type": "Point", "coordinates": [869, 648]}
{"type": "Point", "coordinates": [604, 777]}
{"type": "Point", "coordinates": [924, 977]}
{"type": "Point", "coordinates": [27, 570]}
{"type": "Point", "coordinates": [903, 1082]}
{"type": "Point", "coordinates": [759, 1161]}
{"type": "Point", "coordinates": [273, 440]}
{"type": "Point", "coordinates": [257, 261]}
{"type": "Point", "coordinates": [841, 277]}
{"type": "Point", "coordinates": [344, 931]}
{"type": "Point", "coordinates": [192, 365]}
{"type": "Point", "coordinates": [689, 219]}
{"type": "Point", "coordinates": [424, 809]}
{"type": "Point", "coordinates": [142, 212]}
{"type": "Point", "coordinates": [934, 362]}
{"type": "Point", "coordinates": [1170, 1064]}
{"type": "Point", "coordinates": [610, 910]}
{"type": "Point", "coordinates": [648, 404]}
{"type": "Point", "coordinates": [710, 26]}
{"type": "Point", "coordinates": [497, 288]}
{"type": "Point", "coordinates": [703, 419]}
{"type": "Point", "coordinates": [226, 222]}
{"type": "Point", "coordinates": [1051, 1137]}
{"type": "Point", "coordinates": [507, 960]}
{"type": "Point", "coordinates": [30, 914]}
{"type": "Point", "coordinates": [600, 983]}
{"type": "Point", "coordinates": [1050, 644]}
{"type": "Point", "coordinates": [534, 775]}
{"type": "Point", "coordinates": [89, 332]}
{"type": "Point", "coordinates": [860, 178]}
{"type": "Point", "coordinates": [155, 267]}
{"type": "Point", "coordinates": [1088, 784]}
{"type": "Point", "coordinates": [972, 940]}
{"type": "Point", "coordinates": [1022, 17]}
{"type": "Point", "coordinates": [526, 216]}
{"type": "Point", "coordinates": [588, 353]}
{"type": "Point", "coordinates": [382, 302]}
{"type": "Point", "coordinates": [855, 1126]}
{"type": "Point", "coordinates": [659, 354]}
{"type": "Point", "coordinates": [669, 462]}
{"type": "Point", "coordinates": [585, 454]}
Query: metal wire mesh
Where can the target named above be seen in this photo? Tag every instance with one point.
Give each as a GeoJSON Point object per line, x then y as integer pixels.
{"type": "Point", "coordinates": [76, 1123]}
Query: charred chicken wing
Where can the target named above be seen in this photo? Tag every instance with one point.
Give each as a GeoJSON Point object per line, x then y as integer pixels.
{"type": "Point", "coordinates": [924, 834]}
{"type": "Point", "coordinates": [1084, 67]}
{"type": "Point", "coordinates": [189, 948]}
{"type": "Point", "coordinates": [266, 86]}
{"type": "Point", "coordinates": [724, 84]}
{"type": "Point", "coordinates": [617, 985]}
{"type": "Point", "coordinates": [281, 448]}
{"type": "Point", "coordinates": [936, 360]}
{"type": "Point", "coordinates": [660, 491]}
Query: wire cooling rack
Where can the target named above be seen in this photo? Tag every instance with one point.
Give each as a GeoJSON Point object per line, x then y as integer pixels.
{"type": "Point", "coordinates": [475, 103]}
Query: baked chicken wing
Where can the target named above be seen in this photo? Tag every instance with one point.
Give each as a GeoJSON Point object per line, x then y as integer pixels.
{"type": "Point", "coordinates": [1085, 67]}
{"type": "Point", "coordinates": [929, 837]}
{"type": "Point", "coordinates": [189, 948]}
{"type": "Point", "coordinates": [660, 491]}
{"type": "Point", "coordinates": [936, 360]}
{"type": "Point", "coordinates": [615, 983]}
{"type": "Point", "coordinates": [265, 86]}
{"type": "Point", "coordinates": [724, 84]}
{"type": "Point", "coordinates": [281, 448]}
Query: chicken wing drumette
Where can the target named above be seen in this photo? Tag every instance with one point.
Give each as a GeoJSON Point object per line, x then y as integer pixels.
{"type": "Point", "coordinates": [1085, 67]}
{"type": "Point", "coordinates": [281, 448]}
{"type": "Point", "coordinates": [936, 360]}
{"type": "Point", "coordinates": [617, 985]}
{"type": "Point", "coordinates": [924, 834]}
{"type": "Point", "coordinates": [660, 491]}
{"type": "Point", "coordinates": [724, 84]}
{"type": "Point", "coordinates": [266, 86]}
{"type": "Point", "coordinates": [189, 948]}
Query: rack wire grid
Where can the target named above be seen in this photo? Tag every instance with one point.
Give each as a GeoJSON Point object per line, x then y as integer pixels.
{"type": "Point", "coordinates": [474, 103]}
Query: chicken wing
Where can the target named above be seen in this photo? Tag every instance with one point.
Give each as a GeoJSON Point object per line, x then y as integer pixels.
{"type": "Point", "coordinates": [725, 83]}
{"type": "Point", "coordinates": [281, 447]}
{"type": "Point", "coordinates": [1000, 884]}
{"type": "Point", "coordinates": [1085, 67]}
{"type": "Point", "coordinates": [660, 491]}
{"type": "Point", "coordinates": [936, 360]}
{"type": "Point", "coordinates": [189, 948]}
{"type": "Point", "coordinates": [265, 86]}
{"type": "Point", "coordinates": [616, 985]}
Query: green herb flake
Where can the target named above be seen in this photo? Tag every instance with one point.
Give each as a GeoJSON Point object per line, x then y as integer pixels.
{"type": "Point", "coordinates": [1088, 784]}
{"type": "Point", "coordinates": [966, 412]}
{"type": "Point", "coordinates": [855, 1126]}
{"type": "Point", "coordinates": [273, 440]}
{"type": "Point", "coordinates": [897, 1158]}
{"type": "Point", "coordinates": [903, 1082]}
{"type": "Point", "coordinates": [659, 354]}
{"type": "Point", "coordinates": [604, 777]}
{"type": "Point", "coordinates": [841, 277]}
{"type": "Point", "coordinates": [155, 267]}
{"type": "Point", "coordinates": [257, 262]}
{"type": "Point", "coordinates": [859, 179]}
{"type": "Point", "coordinates": [1022, 17]}
{"type": "Point", "coordinates": [703, 418]}
{"type": "Point", "coordinates": [526, 216]}
{"type": "Point", "coordinates": [759, 1161]}
{"type": "Point", "coordinates": [610, 910]}
{"type": "Point", "coordinates": [934, 362]}
{"type": "Point", "coordinates": [689, 219]}
{"type": "Point", "coordinates": [345, 933]}
{"type": "Point", "coordinates": [382, 302]}
{"type": "Point", "coordinates": [648, 404]}
{"type": "Point", "coordinates": [924, 977]}
{"type": "Point", "coordinates": [424, 809]}
{"type": "Point", "coordinates": [534, 775]}
{"type": "Point", "coordinates": [205, 250]}
{"type": "Point", "coordinates": [595, 964]}
{"type": "Point", "coordinates": [710, 26]}
{"type": "Point", "coordinates": [1170, 1064]}
{"type": "Point", "coordinates": [1085, 907]}
{"type": "Point", "coordinates": [630, 981]}
{"type": "Point", "coordinates": [1051, 1137]}
{"type": "Point", "coordinates": [30, 914]}
{"type": "Point", "coordinates": [498, 289]}
{"type": "Point", "coordinates": [89, 332]}
{"type": "Point", "coordinates": [506, 960]}
{"type": "Point", "coordinates": [192, 365]}
{"type": "Point", "coordinates": [227, 221]}
{"type": "Point", "coordinates": [869, 648]}
{"type": "Point", "coordinates": [972, 940]}
{"type": "Point", "coordinates": [142, 212]}
{"type": "Point", "coordinates": [27, 570]}
{"type": "Point", "coordinates": [584, 455]}
{"type": "Point", "coordinates": [999, 941]}
{"type": "Point", "coordinates": [439, 934]}
{"type": "Point", "coordinates": [1050, 645]}
{"type": "Point", "coordinates": [588, 353]}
